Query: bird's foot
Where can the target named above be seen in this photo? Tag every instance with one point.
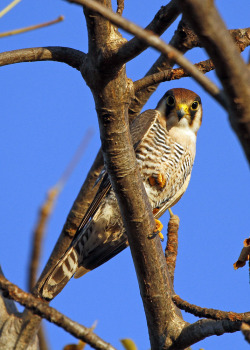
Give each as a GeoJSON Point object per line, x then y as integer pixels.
{"type": "Point", "coordinates": [159, 180]}
{"type": "Point", "coordinates": [157, 230]}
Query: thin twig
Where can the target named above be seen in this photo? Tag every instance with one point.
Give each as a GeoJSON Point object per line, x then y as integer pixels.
{"type": "Point", "coordinates": [171, 74]}
{"type": "Point", "coordinates": [172, 244]}
{"type": "Point", "coordinates": [242, 40]}
{"type": "Point", "coordinates": [9, 7]}
{"type": "Point", "coordinates": [34, 27]}
{"type": "Point", "coordinates": [38, 235]}
{"type": "Point", "coordinates": [245, 328]}
{"type": "Point", "coordinates": [210, 313]}
{"type": "Point", "coordinates": [120, 7]}
{"type": "Point", "coordinates": [160, 23]}
{"type": "Point", "coordinates": [43, 342]}
{"type": "Point", "coordinates": [154, 41]}
{"type": "Point", "coordinates": [42, 309]}
{"type": "Point", "coordinates": [47, 208]}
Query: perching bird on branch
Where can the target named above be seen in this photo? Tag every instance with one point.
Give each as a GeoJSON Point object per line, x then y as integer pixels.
{"type": "Point", "coordinates": [164, 141]}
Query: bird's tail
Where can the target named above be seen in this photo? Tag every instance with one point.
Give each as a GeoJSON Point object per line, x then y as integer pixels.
{"type": "Point", "coordinates": [61, 274]}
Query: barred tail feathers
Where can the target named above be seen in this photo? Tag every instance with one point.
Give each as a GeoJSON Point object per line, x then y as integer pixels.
{"type": "Point", "coordinates": [62, 273]}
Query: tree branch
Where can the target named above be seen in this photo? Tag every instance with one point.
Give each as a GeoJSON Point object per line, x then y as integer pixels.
{"type": "Point", "coordinates": [79, 207]}
{"type": "Point", "coordinates": [245, 328]}
{"type": "Point", "coordinates": [157, 43]}
{"type": "Point", "coordinates": [121, 165]}
{"type": "Point", "coordinates": [242, 39]}
{"type": "Point", "coordinates": [172, 244]}
{"type": "Point", "coordinates": [41, 308]}
{"type": "Point", "coordinates": [10, 323]}
{"type": "Point", "coordinates": [72, 57]}
{"type": "Point", "coordinates": [184, 39]}
{"type": "Point", "coordinates": [202, 329]}
{"type": "Point", "coordinates": [120, 7]}
{"type": "Point", "coordinates": [33, 27]}
{"type": "Point", "coordinates": [210, 313]}
{"type": "Point", "coordinates": [161, 22]}
{"type": "Point", "coordinates": [230, 67]}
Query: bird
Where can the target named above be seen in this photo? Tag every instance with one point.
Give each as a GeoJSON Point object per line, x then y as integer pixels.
{"type": "Point", "coordinates": [164, 141]}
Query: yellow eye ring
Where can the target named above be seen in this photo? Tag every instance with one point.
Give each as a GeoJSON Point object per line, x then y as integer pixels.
{"type": "Point", "coordinates": [170, 101]}
{"type": "Point", "coordinates": [195, 106]}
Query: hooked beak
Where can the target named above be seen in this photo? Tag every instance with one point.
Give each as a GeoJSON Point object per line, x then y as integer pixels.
{"type": "Point", "coordinates": [182, 110]}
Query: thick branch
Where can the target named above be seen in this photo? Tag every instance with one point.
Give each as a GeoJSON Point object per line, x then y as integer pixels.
{"type": "Point", "coordinates": [112, 92]}
{"type": "Point", "coordinates": [52, 315]}
{"type": "Point", "coordinates": [230, 67]}
{"type": "Point", "coordinates": [202, 329]}
{"type": "Point", "coordinates": [72, 57]}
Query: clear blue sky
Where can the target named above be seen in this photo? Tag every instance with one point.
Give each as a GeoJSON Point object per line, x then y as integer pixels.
{"type": "Point", "coordinates": [46, 108]}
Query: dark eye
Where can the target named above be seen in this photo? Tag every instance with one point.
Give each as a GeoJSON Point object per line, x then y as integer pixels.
{"type": "Point", "coordinates": [170, 101]}
{"type": "Point", "coordinates": [195, 106]}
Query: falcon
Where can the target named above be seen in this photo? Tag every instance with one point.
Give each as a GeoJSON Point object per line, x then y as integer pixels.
{"type": "Point", "coordinates": [164, 140]}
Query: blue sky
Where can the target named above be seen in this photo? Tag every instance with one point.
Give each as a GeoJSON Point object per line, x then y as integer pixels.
{"type": "Point", "coordinates": [46, 108]}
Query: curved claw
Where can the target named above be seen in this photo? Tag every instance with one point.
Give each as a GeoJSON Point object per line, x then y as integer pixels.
{"type": "Point", "coordinates": [157, 230]}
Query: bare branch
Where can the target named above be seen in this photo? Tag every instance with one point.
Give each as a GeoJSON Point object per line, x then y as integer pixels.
{"type": "Point", "coordinates": [172, 244]}
{"type": "Point", "coordinates": [10, 323]}
{"type": "Point", "coordinates": [47, 208]}
{"type": "Point", "coordinates": [120, 7]}
{"type": "Point", "coordinates": [42, 309]}
{"type": "Point", "coordinates": [161, 22]}
{"type": "Point", "coordinates": [33, 27]}
{"type": "Point", "coordinates": [9, 7]}
{"type": "Point", "coordinates": [39, 231]}
{"type": "Point", "coordinates": [244, 255]}
{"type": "Point", "coordinates": [211, 313]}
{"type": "Point", "coordinates": [154, 41]}
{"type": "Point", "coordinates": [230, 67]}
{"type": "Point", "coordinates": [43, 343]}
{"type": "Point", "coordinates": [171, 74]}
{"type": "Point", "coordinates": [245, 328]}
{"type": "Point", "coordinates": [72, 57]}
{"type": "Point", "coordinates": [184, 39]}
{"type": "Point", "coordinates": [82, 202]}
{"type": "Point", "coordinates": [202, 329]}
{"type": "Point", "coordinates": [242, 39]}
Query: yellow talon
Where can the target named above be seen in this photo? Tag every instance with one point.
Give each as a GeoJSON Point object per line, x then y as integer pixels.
{"type": "Point", "coordinates": [158, 228]}
{"type": "Point", "coordinates": [160, 180]}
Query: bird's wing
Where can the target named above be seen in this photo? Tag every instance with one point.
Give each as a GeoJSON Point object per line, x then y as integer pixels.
{"type": "Point", "coordinates": [68, 264]}
{"type": "Point", "coordinates": [138, 130]}
{"type": "Point", "coordinates": [141, 125]}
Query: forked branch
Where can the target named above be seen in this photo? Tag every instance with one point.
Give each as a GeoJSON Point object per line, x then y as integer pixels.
{"type": "Point", "coordinates": [42, 309]}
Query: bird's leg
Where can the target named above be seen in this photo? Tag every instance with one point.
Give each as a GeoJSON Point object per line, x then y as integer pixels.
{"type": "Point", "coordinates": [159, 180]}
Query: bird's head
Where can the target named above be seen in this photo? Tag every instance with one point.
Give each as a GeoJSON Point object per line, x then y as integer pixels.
{"type": "Point", "coordinates": [181, 108]}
